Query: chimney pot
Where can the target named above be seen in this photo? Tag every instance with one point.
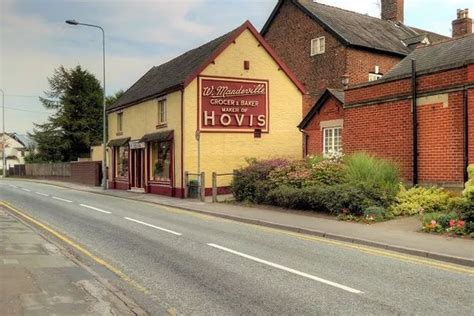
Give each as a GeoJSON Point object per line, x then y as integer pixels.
{"type": "Point", "coordinates": [463, 24]}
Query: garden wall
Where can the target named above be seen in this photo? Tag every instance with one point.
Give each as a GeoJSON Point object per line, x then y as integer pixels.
{"type": "Point", "coordinates": [84, 172]}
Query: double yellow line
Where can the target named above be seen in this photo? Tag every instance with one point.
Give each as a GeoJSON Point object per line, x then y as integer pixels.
{"type": "Point", "coordinates": [79, 248]}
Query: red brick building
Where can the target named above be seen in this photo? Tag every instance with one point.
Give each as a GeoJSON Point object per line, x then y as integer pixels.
{"type": "Point", "coordinates": [379, 117]}
{"type": "Point", "coordinates": [324, 45]}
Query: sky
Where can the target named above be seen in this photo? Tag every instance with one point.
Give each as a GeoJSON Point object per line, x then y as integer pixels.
{"type": "Point", "coordinates": [34, 40]}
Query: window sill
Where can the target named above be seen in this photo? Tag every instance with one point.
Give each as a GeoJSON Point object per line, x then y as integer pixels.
{"type": "Point", "coordinates": [161, 125]}
{"type": "Point", "coordinates": [160, 182]}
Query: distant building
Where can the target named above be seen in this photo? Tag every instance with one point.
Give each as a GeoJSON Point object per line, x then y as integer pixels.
{"type": "Point", "coordinates": [16, 148]}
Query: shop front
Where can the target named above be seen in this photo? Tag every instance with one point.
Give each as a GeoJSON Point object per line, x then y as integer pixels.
{"type": "Point", "coordinates": [205, 111]}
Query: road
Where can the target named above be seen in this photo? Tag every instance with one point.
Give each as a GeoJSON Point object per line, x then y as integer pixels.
{"type": "Point", "coordinates": [188, 263]}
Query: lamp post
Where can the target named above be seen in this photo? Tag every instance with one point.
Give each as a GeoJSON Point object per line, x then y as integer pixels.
{"type": "Point", "coordinates": [4, 139]}
{"type": "Point", "coordinates": [104, 117]}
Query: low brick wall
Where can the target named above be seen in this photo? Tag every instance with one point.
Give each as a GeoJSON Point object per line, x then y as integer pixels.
{"type": "Point", "coordinates": [87, 172]}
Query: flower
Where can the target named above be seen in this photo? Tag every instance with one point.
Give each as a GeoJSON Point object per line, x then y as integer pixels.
{"type": "Point", "coordinates": [452, 223]}
{"type": "Point", "coordinates": [460, 224]}
{"type": "Point", "coordinates": [433, 222]}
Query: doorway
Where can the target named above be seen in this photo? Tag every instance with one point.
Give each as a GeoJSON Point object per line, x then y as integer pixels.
{"type": "Point", "coordinates": [138, 162]}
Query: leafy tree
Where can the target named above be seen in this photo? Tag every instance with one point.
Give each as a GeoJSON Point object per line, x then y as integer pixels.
{"type": "Point", "coordinates": [76, 95]}
{"type": "Point", "coordinates": [111, 99]}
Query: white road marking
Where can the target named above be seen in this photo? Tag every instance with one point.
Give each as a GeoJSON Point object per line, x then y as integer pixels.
{"type": "Point", "coordinates": [27, 190]}
{"type": "Point", "coordinates": [306, 275]}
{"type": "Point", "coordinates": [13, 186]}
{"type": "Point", "coordinates": [153, 226]}
{"type": "Point", "coordinates": [95, 208]}
{"type": "Point", "coordinates": [43, 194]}
{"type": "Point", "coordinates": [60, 199]}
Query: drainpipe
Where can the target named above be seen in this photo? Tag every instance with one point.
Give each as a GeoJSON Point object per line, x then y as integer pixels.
{"type": "Point", "coordinates": [183, 185]}
{"type": "Point", "coordinates": [414, 122]}
{"type": "Point", "coordinates": [466, 133]}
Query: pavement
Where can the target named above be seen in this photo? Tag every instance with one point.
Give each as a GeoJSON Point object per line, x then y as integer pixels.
{"type": "Point", "coordinates": [401, 235]}
{"type": "Point", "coordinates": [38, 279]}
{"type": "Point", "coordinates": [182, 262]}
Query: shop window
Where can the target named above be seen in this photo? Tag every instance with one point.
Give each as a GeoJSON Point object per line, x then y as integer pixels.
{"type": "Point", "coordinates": [119, 122]}
{"type": "Point", "coordinates": [318, 45]}
{"type": "Point", "coordinates": [161, 161]}
{"type": "Point", "coordinates": [162, 112]}
{"type": "Point", "coordinates": [121, 161]}
{"type": "Point", "coordinates": [332, 140]}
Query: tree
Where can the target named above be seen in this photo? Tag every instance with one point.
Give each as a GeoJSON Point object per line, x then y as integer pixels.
{"type": "Point", "coordinates": [76, 95]}
{"type": "Point", "coordinates": [111, 99]}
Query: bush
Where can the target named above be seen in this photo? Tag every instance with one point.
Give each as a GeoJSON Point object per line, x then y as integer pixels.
{"type": "Point", "coordinates": [346, 198]}
{"type": "Point", "coordinates": [251, 182]}
{"type": "Point", "coordinates": [378, 177]}
{"type": "Point", "coordinates": [295, 174]}
{"type": "Point", "coordinates": [328, 172]}
{"type": "Point", "coordinates": [420, 200]}
{"type": "Point", "coordinates": [307, 198]}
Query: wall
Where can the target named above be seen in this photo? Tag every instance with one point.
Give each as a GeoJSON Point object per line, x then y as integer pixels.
{"type": "Point", "coordinates": [142, 119]}
{"type": "Point", "coordinates": [290, 35]}
{"type": "Point", "coordinates": [360, 62]}
{"type": "Point", "coordinates": [97, 153]}
{"type": "Point", "coordinates": [87, 173]}
{"type": "Point", "coordinates": [384, 125]}
{"type": "Point", "coordinates": [223, 152]}
{"type": "Point", "coordinates": [331, 110]}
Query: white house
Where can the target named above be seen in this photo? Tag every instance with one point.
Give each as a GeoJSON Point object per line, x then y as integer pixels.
{"type": "Point", "coordinates": [16, 148]}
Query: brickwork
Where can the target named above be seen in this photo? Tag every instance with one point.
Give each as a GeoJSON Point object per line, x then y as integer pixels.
{"type": "Point", "coordinates": [290, 36]}
{"type": "Point", "coordinates": [392, 10]}
{"type": "Point", "coordinates": [332, 110]}
{"type": "Point", "coordinates": [87, 172]}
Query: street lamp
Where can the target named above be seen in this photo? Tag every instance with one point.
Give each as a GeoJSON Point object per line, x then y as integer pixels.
{"type": "Point", "coordinates": [104, 126]}
{"type": "Point", "coordinates": [4, 139]}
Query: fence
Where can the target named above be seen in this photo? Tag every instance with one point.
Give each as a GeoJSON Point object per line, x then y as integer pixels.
{"type": "Point", "coordinates": [60, 169]}
{"type": "Point", "coordinates": [215, 176]}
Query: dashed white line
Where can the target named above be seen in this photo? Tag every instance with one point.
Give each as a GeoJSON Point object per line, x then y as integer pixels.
{"type": "Point", "coordinates": [25, 189]}
{"type": "Point", "coordinates": [43, 194]}
{"type": "Point", "coordinates": [278, 266]}
{"type": "Point", "coordinates": [95, 208]}
{"type": "Point", "coordinates": [13, 186]}
{"type": "Point", "coordinates": [153, 226]}
{"type": "Point", "coordinates": [60, 199]}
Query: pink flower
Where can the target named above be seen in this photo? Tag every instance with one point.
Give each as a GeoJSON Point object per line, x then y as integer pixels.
{"type": "Point", "coordinates": [460, 224]}
{"type": "Point", "coordinates": [452, 223]}
{"type": "Point", "coordinates": [433, 222]}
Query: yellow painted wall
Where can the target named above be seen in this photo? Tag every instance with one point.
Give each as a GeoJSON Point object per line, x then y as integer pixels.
{"type": "Point", "coordinates": [142, 119]}
{"type": "Point", "coordinates": [223, 152]}
{"type": "Point", "coordinates": [96, 153]}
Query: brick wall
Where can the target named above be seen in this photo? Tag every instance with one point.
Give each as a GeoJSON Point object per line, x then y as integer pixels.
{"type": "Point", "coordinates": [332, 110]}
{"type": "Point", "coordinates": [87, 172]}
{"type": "Point", "coordinates": [290, 36]}
{"type": "Point", "coordinates": [361, 62]}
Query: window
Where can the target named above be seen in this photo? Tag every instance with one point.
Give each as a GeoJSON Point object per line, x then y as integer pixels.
{"type": "Point", "coordinates": [119, 122]}
{"type": "Point", "coordinates": [121, 161]}
{"type": "Point", "coordinates": [332, 140]}
{"type": "Point", "coordinates": [161, 161]}
{"type": "Point", "coordinates": [373, 77]}
{"type": "Point", "coordinates": [318, 45]}
{"type": "Point", "coordinates": [162, 113]}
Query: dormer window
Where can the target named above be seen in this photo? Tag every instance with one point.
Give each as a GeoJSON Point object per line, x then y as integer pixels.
{"type": "Point", "coordinates": [318, 45]}
{"type": "Point", "coordinates": [376, 75]}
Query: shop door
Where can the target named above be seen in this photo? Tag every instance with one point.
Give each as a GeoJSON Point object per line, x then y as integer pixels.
{"type": "Point", "coordinates": [138, 168]}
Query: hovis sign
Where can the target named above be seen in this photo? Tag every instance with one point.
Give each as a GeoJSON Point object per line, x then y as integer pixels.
{"type": "Point", "coordinates": [233, 105]}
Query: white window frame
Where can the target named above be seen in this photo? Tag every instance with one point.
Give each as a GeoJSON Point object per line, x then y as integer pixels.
{"type": "Point", "coordinates": [162, 111]}
{"type": "Point", "coordinates": [332, 138]}
{"type": "Point", "coordinates": [374, 76]}
{"type": "Point", "coordinates": [318, 46]}
{"type": "Point", "coordinates": [119, 122]}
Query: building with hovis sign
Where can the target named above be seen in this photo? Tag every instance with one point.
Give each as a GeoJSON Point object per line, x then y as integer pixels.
{"type": "Point", "coordinates": [207, 110]}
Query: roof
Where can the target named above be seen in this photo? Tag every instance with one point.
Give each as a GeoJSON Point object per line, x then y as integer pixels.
{"type": "Point", "coordinates": [180, 71]}
{"type": "Point", "coordinates": [357, 29]}
{"type": "Point", "coordinates": [336, 93]}
{"type": "Point", "coordinates": [24, 140]}
{"type": "Point", "coordinates": [443, 55]}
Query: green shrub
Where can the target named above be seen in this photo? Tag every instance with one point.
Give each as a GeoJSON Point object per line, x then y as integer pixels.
{"type": "Point", "coordinates": [307, 198]}
{"type": "Point", "coordinates": [378, 177]}
{"type": "Point", "coordinates": [328, 172]}
{"type": "Point", "coordinates": [251, 182]}
{"type": "Point", "coordinates": [420, 200]}
{"type": "Point", "coordinates": [312, 160]}
{"type": "Point", "coordinates": [345, 198]}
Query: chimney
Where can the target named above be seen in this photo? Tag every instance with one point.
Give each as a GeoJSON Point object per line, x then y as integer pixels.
{"type": "Point", "coordinates": [463, 24]}
{"type": "Point", "coordinates": [392, 10]}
